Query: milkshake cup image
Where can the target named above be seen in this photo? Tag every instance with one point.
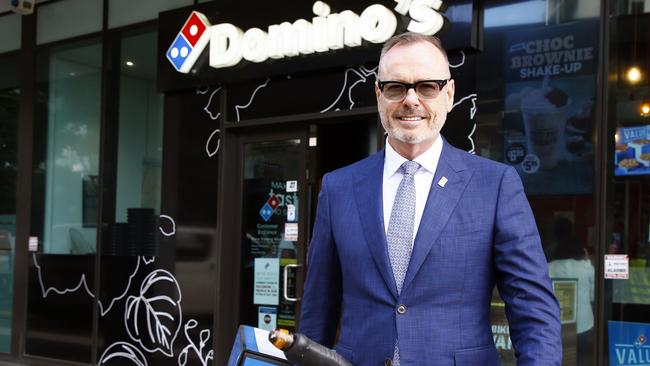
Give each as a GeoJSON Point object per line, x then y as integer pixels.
{"type": "Point", "coordinates": [544, 115]}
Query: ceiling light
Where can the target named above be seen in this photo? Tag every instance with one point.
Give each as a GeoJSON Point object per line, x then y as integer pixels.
{"type": "Point", "coordinates": [645, 109]}
{"type": "Point", "coordinates": [633, 75]}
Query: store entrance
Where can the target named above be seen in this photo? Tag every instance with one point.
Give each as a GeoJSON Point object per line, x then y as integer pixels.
{"type": "Point", "coordinates": [281, 172]}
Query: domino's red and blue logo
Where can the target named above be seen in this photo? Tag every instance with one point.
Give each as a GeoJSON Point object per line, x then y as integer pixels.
{"type": "Point", "coordinates": [189, 42]}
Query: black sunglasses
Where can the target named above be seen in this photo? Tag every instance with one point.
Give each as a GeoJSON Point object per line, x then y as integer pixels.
{"type": "Point", "coordinates": [397, 90]}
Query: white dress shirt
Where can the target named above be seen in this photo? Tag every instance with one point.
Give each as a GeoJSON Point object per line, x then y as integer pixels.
{"type": "Point", "coordinates": [428, 161]}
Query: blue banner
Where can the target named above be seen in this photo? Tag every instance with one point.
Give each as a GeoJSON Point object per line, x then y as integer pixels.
{"type": "Point", "coordinates": [628, 343]}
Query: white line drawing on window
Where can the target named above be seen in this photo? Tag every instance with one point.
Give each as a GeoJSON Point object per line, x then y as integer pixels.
{"type": "Point", "coordinates": [472, 113]}
{"type": "Point", "coordinates": [250, 101]}
{"type": "Point", "coordinates": [165, 233]}
{"type": "Point", "coordinates": [362, 74]}
{"type": "Point", "coordinates": [204, 336]}
{"type": "Point", "coordinates": [473, 110]}
{"type": "Point", "coordinates": [126, 290]}
{"type": "Point", "coordinates": [471, 140]}
{"type": "Point", "coordinates": [202, 91]}
{"type": "Point", "coordinates": [46, 292]}
{"type": "Point", "coordinates": [216, 132]}
{"type": "Point", "coordinates": [121, 351]}
{"type": "Point", "coordinates": [84, 283]}
{"type": "Point", "coordinates": [151, 319]}
{"type": "Point", "coordinates": [207, 105]}
{"type": "Point", "coordinates": [461, 63]}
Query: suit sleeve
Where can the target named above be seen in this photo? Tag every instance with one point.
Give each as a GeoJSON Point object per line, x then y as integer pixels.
{"type": "Point", "coordinates": [321, 303]}
{"type": "Point", "coordinates": [522, 278]}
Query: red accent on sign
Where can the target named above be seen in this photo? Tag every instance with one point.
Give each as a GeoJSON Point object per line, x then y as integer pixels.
{"type": "Point", "coordinates": [193, 20]}
{"type": "Point", "coordinates": [273, 202]}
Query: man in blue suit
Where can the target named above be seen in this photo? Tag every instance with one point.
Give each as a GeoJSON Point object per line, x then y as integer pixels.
{"type": "Point", "coordinates": [409, 243]}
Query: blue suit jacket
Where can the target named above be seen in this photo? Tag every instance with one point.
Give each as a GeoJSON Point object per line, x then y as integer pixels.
{"type": "Point", "coordinates": [476, 231]}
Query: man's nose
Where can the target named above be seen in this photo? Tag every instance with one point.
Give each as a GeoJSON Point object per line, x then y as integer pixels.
{"type": "Point", "coordinates": [411, 97]}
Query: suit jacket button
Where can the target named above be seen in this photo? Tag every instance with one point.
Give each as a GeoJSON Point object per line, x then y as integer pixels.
{"type": "Point", "coordinates": [388, 362]}
{"type": "Point", "coordinates": [401, 309]}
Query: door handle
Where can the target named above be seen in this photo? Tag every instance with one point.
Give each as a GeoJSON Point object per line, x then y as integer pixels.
{"type": "Point", "coordinates": [285, 289]}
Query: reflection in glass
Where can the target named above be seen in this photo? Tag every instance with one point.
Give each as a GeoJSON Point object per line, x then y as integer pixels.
{"type": "Point", "coordinates": [572, 263]}
{"type": "Point", "coordinates": [66, 166]}
{"type": "Point", "coordinates": [267, 208]}
{"type": "Point", "coordinates": [130, 230]}
{"type": "Point", "coordinates": [144, 272]}
{"type": "Point", "coordinates": [627, 301]}
{"type": "Point", "coordinates": [537, 114]}
{"type": "Point", "coordinates": [71, 161]}
{"type": "Point", "coordinates": [49, 27]}
{"type": "Point", "coordinates": [9, 109]}
{"type": "Point", "coordinates": [139, 151]}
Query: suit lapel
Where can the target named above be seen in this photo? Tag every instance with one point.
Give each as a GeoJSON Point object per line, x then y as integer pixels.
{"type": "Point", "coordinates": [440, 204]}
{"type": "Point", "coordinates": [368, 193]}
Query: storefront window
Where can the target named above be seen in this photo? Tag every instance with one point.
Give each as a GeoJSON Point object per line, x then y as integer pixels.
{"type": "Point", "coordinates": [64, 201]}
{"type": "Point", "coordinates": [627, 256]}
{"type": "Point", "coordinates": [87, 16]}
{"type": "Point", "coordinates": [185, 266]}
{"type": "Point", "coordinates": [132, 191]}
{"type": "Point", "coordinates": [122, 12]}
{"type": "Point", "coordinates": [536, 113]}
{"type": "Point", "coordinates": [9, 31]}
{"type": "Point", "coordinates": [9, 105]}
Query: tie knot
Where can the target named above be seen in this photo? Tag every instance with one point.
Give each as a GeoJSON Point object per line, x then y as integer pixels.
{"type": "Point", "coordinates": [409, 167]}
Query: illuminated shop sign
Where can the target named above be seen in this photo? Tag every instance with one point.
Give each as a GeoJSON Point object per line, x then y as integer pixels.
{"type": "Point", "coordinates": [326, 31]}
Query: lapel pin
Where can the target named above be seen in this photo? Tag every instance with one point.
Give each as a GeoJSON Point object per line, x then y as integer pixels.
{"type": "Point", "coordinates": [442, 181]}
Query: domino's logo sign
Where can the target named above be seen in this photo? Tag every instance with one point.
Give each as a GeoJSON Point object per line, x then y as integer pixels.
{"type": "Point", "coordinates": [189, 42]}
{"type": "Point", "coordinates": [327, 32]}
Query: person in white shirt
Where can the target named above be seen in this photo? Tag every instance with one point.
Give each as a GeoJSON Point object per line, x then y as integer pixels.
{"type": "Point", "coordinates": [572, 262]}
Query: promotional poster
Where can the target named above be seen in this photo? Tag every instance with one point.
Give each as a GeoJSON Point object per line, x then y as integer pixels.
{"type": "Point", "coordinates": [632, 154]}
{"type": "Point", "coordinates": [549, 107]}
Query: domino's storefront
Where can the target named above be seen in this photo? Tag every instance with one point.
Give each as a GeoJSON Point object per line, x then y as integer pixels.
{"type": "Point", "coordinates": [160, 162]}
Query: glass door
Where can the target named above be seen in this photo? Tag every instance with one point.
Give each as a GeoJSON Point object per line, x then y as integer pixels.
{"type": "Point", "coordinates": [627, 254]}
{"type": "Point", "coordinates": [274, 226]}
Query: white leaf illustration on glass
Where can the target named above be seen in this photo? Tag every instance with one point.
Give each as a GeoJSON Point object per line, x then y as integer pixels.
{"type": "Point", "coordinates": [153, 318]}
{"type": "Point", "coordinates": [122, 353]}
{"type": "Point", "coordinates": [198, 350]}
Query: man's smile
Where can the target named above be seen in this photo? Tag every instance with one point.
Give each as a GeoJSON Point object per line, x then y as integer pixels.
{"type": "Point", "coordinates": [410, 119]}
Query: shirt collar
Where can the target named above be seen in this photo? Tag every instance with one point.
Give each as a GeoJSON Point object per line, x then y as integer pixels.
{"type": "Point", "coordinates": [427, 160]}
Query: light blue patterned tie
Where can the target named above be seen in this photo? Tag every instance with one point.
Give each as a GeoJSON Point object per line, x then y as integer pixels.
{"type": "Point", "coordinates": [400, 229]}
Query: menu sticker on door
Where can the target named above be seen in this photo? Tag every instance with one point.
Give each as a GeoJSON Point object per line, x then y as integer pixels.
{"type": "Point", "coordinates": [267, 318]}
{"type": "Point", "coordinates": [292, 186]}
{"type": "Point", "coordinates": [291, 231]}
{"type": "Point", "coordinates": [266, 288]}
{"type": "Point", "coordinates": [291, 212]}
{"type": "Point", "coordinates": [617, 266]}
{"type": "Point", "coordinates": [32, 244]}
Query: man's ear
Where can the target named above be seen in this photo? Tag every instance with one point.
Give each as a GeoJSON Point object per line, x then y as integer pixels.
{"type": "Point", "coordinates": [451, 88]}
{"type": "Point", "coordinates": [377, 91]}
